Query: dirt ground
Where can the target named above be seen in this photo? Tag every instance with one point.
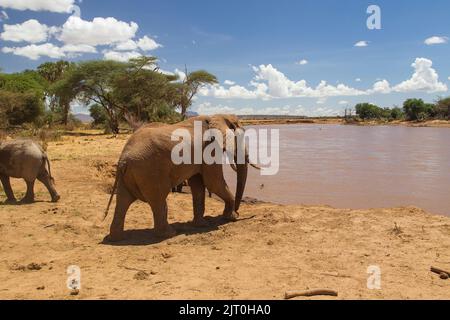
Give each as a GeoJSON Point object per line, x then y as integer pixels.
{"type": "Point", "coordinates": [272, 248]}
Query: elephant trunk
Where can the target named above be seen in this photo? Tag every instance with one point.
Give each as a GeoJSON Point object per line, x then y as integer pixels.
{"type": "Point", "coordinates": [242, 173]}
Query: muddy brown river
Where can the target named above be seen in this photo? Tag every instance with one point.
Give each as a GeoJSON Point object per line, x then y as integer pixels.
{"type": "Point", "coordinates": [358, 168]}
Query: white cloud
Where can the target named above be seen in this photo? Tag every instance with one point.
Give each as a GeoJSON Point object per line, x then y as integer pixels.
{"type": "Point", "coordinates": [425, 78]}
{"type": "Point", "coordinates": [129, 45]}
{"type": "Point", "coordinates": [358, 80]}
{"type": "Point", "coordinates": [302, 62]}
{"type": "Point", "coordinates": [436, 40]}
{"type": "Point", "coordinates": [121, 56]}
{"type": "Point", "coordinates": [208, 108]}
{"type": "Point", "coordinates": [100, 31]}
{"type": "Point", "coordinates": [81, 48]}
{"type": "Point", "coordinates": [343, 103]}
{"type": "Point", "coordinates": [148, 44]}
{"type": "Point", "coordinates": [229, 83]}
{"type": "Point", "coordinates": [270, 83]}
{"type": "Point", "coordinates": [361, 44]}
{"type": "Point", "coordinates": [31, 31]}
{"type": "Point", "coordinates": [34, 52]}
{"type": "Point", "coordinates": [61, 6]}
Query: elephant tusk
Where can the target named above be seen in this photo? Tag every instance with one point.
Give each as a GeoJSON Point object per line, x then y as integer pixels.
{"type": "Point", "coordinates": [255, 166]}
{"type": "Point", "coordinates": [233, 166]}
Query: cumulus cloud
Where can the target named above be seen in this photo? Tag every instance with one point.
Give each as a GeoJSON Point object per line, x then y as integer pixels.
{"type": "Point", "coordinates": [302, 62]}
{"type": "Point", "coordinates": [34, 52]}
{"type": "Point", "coordinates": [229, 83]}
{"type": "Point", "coordinates": [99, 31]}
{"type": "Point", "coordinates": [358, 80]}
{"type": "Point", "coordinates": [148, 44]}
{"type": "Point", "coordinates": [60, 6]}
{"type": "Point", "coordinates": [31, 31]}
{"type": "Point", "coordinates": [208, 108]}
{"type": "Point", "coordinates": [120, 56]}
{"type": "Point", "coordinates": [270, 83]}
{"type": "Point", "coordinates": [436, 40]}
{"type": "Point", "coordinates": [425, 78]}
{"type": "Point", "coordinates": [361, 44]}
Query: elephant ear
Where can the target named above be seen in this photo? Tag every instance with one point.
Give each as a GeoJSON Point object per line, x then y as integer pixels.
{"type": "Point", "coordinates": [225, 123]}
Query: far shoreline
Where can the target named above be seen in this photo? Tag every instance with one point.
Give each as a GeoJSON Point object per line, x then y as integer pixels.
{"type": "Point", "coordinates": [267, 121]}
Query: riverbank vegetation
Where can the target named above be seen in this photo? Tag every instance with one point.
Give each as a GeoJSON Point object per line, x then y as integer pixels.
{"type": "Point", "coordinates": [413, 110]}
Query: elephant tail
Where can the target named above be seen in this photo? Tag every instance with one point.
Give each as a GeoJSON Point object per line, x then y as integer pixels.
{"type": "Point", "coordinates": [49, 169]}
{"type": "Point", "coordinates": [114, 189]}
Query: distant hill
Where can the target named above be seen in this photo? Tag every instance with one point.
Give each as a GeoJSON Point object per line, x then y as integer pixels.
{"type": "Point", "coordinates": [85, 118]}
{"type": "Point", "coordinates": [191, 114]}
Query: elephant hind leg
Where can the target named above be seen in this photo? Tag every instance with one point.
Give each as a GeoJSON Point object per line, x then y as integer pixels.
{"type": "Point", "coordinates": [8, 190]}
{"type": "Point", "coordinates": [124, 200]}
{"type": "Point", "coordinates": [29, 197]}
{"type": "Point", "coordinates": [46, 180]}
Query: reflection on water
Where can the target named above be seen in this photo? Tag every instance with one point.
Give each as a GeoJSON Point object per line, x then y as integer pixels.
{"type": "Point", "coordinates": [359, 167]}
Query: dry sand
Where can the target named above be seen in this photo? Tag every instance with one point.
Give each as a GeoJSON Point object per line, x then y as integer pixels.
{"type": "Point", "coordinates": [271, 250]}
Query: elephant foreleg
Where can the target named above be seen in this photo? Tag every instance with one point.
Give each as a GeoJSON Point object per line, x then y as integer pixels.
{"type": "Point", "coordinates": [198, 196]}
{"type": "Point", "coordinates": [160, 218]}
{"type": "Point", "coordinates": [8, 190]}
{"type": "Point", "coordinates": [224, 193]}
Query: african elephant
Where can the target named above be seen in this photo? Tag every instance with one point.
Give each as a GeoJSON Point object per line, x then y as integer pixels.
{"type": "Point", "coordinates": [25, 159]}
{"type": "Point", "coordinates": [146, 172]}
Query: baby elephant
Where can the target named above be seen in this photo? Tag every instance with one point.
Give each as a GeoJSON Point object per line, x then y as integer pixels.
{"type": "Point", "coordinates": [25, 159]}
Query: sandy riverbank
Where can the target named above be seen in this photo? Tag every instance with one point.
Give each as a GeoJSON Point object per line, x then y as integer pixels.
{"type": "Point", "coordinates": [272, 249]}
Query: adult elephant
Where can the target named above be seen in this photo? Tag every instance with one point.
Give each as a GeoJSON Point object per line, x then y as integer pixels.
{"type": "Point", "coordinates": [146, 172]}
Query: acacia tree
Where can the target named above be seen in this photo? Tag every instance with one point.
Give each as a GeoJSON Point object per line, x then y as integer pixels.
{"type": "Point", "coordinates": [190, 86]}
{"type": "Point", "coordinates": [92, 83]}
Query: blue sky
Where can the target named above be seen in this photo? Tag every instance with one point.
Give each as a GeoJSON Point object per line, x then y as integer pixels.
{"type": "Point", "coordinates": [254, 47]}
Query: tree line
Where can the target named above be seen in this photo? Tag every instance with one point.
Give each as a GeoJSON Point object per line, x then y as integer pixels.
{"type": "Point", "coordinates": [135, 92]}
{"type": "Point", "coordinates": [412, 110]}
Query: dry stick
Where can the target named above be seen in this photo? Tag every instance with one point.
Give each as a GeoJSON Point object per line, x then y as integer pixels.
{"type": "Point", "coordinates": [310, 293]}
{"type": "Point", "coordinates": [440, 271]}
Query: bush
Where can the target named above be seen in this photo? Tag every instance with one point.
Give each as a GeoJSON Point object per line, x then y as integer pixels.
{"type": "Point", "coordinates": [367, 111]}
{"type": "Point", "coordinates": [19, 108]}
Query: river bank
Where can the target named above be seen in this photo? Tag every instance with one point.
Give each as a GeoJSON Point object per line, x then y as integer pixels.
{"type": "Point", "coordinates": [341, 121]}
{"type": "Point", "coordinates": [272, 249]}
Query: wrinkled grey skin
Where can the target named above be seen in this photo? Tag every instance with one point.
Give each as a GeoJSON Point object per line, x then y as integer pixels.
{"type": "Point", "coordinates": [25, 159]}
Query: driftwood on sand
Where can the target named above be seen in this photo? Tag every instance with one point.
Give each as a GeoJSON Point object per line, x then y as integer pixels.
{"type": "Point", "coordinates": [442, 273]}
{"type": "Point", "coordinates": [310, 293]}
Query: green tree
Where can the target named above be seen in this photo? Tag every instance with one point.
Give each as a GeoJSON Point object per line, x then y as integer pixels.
{"type": "Point", "coordinates": [417, 110]}
{"type": "Point", "coordinates": [368, 111]}
{"type": "Point", "coordinates": [396, 113]}
{"type": "Point", "coordinates": [92, 82]}
{"type": "Point", "coordinates": [190, 86]}
{"type": "Point", "coordinates": [442, 108]}
{"type": "Point", "coordinates": [59, 101]}
{"type": "Point", "coordinates": [21, 98]}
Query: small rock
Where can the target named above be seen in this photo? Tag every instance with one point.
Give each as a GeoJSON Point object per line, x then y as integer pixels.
{"type": "Point", "coordinates": [166, 255]}
{"type": "Point", "coordinates": [74, 292]}
{"type": "Point", "coordinates": [141, 275]}
{"type": "Point", "coordinates": [217, 268]}
{"type": "Point", "coordinates": [40, 288]}
{"type": "Point", "coordinates": [270, 243]}
{"type": "Point", "coordinates": [34, 267]}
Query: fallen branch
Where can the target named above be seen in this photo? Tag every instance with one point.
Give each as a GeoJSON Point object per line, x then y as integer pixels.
{"type": "Point", "coordinates": [310, 293]}
{"type": "Point", "coordinates": [444, 274]}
